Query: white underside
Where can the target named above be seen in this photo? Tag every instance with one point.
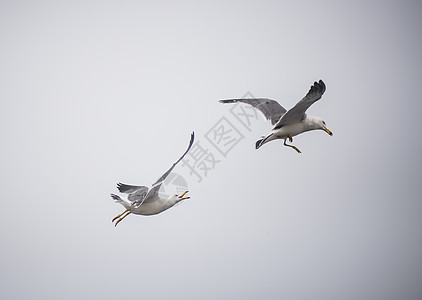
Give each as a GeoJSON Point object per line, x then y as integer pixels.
{"type": "Point", "coordinates": [294, 129]}
{"type": "Point", "coordinates": [153, 208]}
{"type": "Point", "coordinates": [150, 208]}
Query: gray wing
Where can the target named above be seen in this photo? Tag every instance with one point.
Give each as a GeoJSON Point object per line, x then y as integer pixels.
{"type": "Point", "coordinates": [156, 186]}
{"type": "Point", "coordinates": [271, 109]}
{"type": "Point", "coordinates": [297, 113]}
{"type": "Point", "coordinates": [163, 177]}
{"type": "Point", "coordinates": [136, 193]}
{"type": "Point", "coordinates": [126, 188]}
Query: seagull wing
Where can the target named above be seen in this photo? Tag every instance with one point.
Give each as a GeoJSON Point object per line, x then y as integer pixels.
{"type": "Point", "coordinates": [152, 194]}
{"type": "Point", "coordinates": [128, 189]}
{"type": "Point", "coordinates": [271, 109]}
{"type": "Point", "coordinates": [297, 113]}
{"type": "Point", "coordinates": [138, 195]}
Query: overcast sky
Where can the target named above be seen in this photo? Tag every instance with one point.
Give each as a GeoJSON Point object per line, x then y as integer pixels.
{"type": "Point", "coordinates": [97, 92]}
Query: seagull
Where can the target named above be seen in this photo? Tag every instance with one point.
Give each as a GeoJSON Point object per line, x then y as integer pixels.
{"type": "Point", "coordinates": [288, 123]}
{"type": "Point", "coordinates": [144, 201]}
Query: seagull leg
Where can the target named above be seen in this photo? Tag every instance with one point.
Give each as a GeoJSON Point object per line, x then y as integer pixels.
{"type": "Point", "coordinates": [290, 138]}
{"type": "Point", "coordinates": [118, 221]}
{"type": "Point", "coordinates": [118, 216]}
{"type": "Point", "coordinates": [291, 146]}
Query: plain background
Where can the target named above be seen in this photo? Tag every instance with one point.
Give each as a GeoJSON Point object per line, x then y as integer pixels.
{"type": "Point", "coordinates": [97, 92]}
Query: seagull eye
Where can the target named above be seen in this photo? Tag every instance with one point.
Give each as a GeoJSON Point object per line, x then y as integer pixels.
{"type": "Point", "coordinates": [323, 122]}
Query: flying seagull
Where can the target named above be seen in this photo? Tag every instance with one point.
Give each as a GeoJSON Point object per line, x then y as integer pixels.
{"type": "Point", "coordinates": [144, 201]}
{"type": "Point", "coordinates": [288, 123]}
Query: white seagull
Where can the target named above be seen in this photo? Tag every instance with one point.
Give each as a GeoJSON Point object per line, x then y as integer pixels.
{"type": "Point", "coordinates": [142, 201]}
{"type": "Point", "coordinates": [290, 123]}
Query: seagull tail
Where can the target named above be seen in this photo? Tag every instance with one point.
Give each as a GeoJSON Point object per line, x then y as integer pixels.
{"type": "Point", "coordinates": [258, 143]}
{"type": "Point", "coordinates": [262, 141]}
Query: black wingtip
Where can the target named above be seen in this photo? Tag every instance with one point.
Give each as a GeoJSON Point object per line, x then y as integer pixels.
{"type": "Point", "coordinates": [114, 196]}
{"type": "Point", "coordinates": [192, 138]}
{"type": "Point", "coordinates": [318, 87]}
{"type": "Point", "coordinates": [322, 84]}
{"type": "Point", "coordinates": [227, 101]}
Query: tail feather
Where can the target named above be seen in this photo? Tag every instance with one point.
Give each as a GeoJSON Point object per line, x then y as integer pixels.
{"type": "Point", "coordinates": [258, 143]}
{"type": "Point", "coordinates": [262, 141]}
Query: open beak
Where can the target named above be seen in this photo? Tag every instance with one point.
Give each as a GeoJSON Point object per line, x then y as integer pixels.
{"type": "Point", "coordinates": [182, 196]}
{"type": "Point", "coordinates": [328, 131]}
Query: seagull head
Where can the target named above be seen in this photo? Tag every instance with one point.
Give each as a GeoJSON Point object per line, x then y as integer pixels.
{"type": "Point", "coordinates": [323, 126]}
{"type": "Point", "coordinates": [175, 199]}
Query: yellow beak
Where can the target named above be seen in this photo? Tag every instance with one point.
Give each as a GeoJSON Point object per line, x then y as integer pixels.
{"type": "Point", "coordinates": [328, 131]}
{"type": "Point", "coordinates": [182, 196]}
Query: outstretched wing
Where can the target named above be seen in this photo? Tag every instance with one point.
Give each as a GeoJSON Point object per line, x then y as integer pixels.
{"type": "Point", "coordinates": [271, 109]}
{"type": "Point", "coordinates": [297, 113]}
{"type": "Point", "coordinates": [163, 177]}
{"type": "Point", "coordinates": [156, 186]}
{"type": "Point", "coordinates": [126, 188]}
{"type": "Point", "coordinates": [136, 193]}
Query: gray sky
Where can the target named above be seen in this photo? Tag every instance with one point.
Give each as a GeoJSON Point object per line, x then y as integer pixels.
{"type": "Point", "coordinates": [97, 92]}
